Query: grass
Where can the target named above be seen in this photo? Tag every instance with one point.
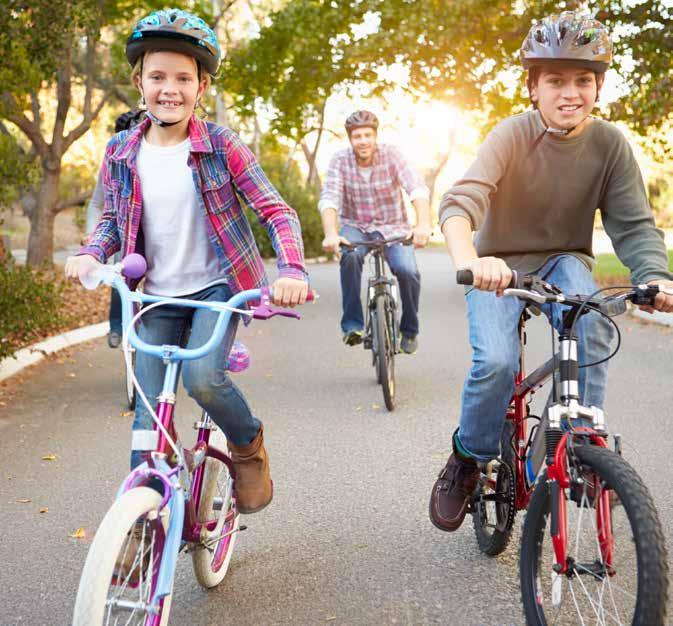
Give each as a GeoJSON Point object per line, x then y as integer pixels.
{"type": "Point", "coordinates": [609, 267]}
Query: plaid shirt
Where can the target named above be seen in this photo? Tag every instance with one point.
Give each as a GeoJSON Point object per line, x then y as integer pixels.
{"type": "Point", "coordinates": [221, 165]}
{"type": "Point", "coordinates": [377, 204]}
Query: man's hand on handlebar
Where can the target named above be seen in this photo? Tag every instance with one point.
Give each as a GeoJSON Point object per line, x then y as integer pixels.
{"type": "Point", "coordinates": [331, 244]}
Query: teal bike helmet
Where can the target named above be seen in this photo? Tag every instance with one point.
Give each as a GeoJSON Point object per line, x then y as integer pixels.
{"type": "Point", "coordinates": [178, 31]}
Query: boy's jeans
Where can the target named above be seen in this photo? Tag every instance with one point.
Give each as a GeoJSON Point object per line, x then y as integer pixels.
{"type": "Point", "coordinates": [494, 338]}
{"type": "Point", "coordinates": [205, 379]}
{"type": "Point", "coordinates": [402, 262]}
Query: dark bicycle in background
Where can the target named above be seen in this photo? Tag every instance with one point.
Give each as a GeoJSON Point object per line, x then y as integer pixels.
{"type": "Point", "coordinates": [382, 314]}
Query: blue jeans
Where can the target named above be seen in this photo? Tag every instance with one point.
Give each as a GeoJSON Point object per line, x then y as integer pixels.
{"type": "Point", "coordinates": [493, 324]}
{"type": "Point", "coordinates": [402, 262]}
{"type": "Point", "coordinates": [205, 379]}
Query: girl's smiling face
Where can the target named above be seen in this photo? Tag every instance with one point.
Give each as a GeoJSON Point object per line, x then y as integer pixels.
{"type": "Point", "coordinates": [170, 85]}
{"type": "Point", "coordinates": [565, 95]}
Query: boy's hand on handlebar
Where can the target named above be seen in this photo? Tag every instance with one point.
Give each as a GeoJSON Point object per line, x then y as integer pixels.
{"type": "Point", "coordinates": [75, 266]}
{"type": "Point", "coordinates": [331, 244]}
{"type": "Point", "coordinates": [490, 273]}
{"type": "Point", "coordinates": [289, 292]}
{"type": "Point", "coordinates": [663, 301]}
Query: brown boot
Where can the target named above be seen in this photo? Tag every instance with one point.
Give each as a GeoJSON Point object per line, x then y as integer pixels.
{"type": "Point", "coordinates": [452, 492]}
{"type": "Point", "coordinates": [253, 486]}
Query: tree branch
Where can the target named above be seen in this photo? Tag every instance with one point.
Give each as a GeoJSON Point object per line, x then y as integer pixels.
{"type": "Point", "coordinates": [85, 124]}
{"type": "Point", "coordinates": [29, 128]}
{"type": "Point", "coordinates": [78, 200]}
{"type": "Point", "coordinates": [35, 106]}
{"type": "Point", "coordinates": [64, 96]}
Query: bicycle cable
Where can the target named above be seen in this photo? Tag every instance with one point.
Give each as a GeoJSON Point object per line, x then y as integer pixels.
{"type": "Point", "coordinates": [136, 384]}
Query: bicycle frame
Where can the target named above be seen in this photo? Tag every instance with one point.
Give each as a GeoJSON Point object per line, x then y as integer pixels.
{"type": "Point", "coordinates": [557, 451]}
{"type": "Point", "coordinates": [182, 484]}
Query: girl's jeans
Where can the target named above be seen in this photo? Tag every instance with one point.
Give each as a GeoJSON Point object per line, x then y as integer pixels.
{"type": "Point", "coordinates": [493, 323]}
{"type": "Point", "coordinates": [205, 379]}
{"type": "Point", "coordinates": [402, 262]}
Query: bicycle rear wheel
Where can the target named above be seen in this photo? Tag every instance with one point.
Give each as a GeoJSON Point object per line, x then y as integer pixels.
{"type": "Point", "coordinates": [212, 556]}
{"type": "Point", "coordinates": [620, 582]}
{"type": "Point", "coordinates": [385, 346]}
{"type": "Point", "coordinates": [109, 595]}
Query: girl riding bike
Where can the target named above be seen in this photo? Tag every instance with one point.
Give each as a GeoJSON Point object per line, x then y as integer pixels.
{"type": "Point", "coordinates": [170, 188]}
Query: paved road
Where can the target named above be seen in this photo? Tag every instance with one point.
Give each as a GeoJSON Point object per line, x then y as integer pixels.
{"type": "Point", "coordinates": [347, 539]}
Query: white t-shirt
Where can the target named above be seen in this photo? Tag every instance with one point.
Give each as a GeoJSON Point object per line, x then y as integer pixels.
{"type": "Point", "coordinates": [180, 257]}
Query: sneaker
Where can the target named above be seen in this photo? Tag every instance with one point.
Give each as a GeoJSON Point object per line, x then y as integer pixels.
{"type": "Point", "coordinates": [114, 339]}
{"type": "Point", "coordinates": [452, 492]}
{"type": "Point", "coordinates": [353, 338]}
{"type": "Point", "coordinates": [408, 344]}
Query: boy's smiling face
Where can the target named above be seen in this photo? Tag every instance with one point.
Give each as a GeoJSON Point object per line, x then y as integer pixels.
{"type": "Point", "coordinates": [565, 95]}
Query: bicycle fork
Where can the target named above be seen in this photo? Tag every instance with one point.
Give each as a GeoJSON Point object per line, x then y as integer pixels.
{"type": "Point", "coordinates": [560, 416]}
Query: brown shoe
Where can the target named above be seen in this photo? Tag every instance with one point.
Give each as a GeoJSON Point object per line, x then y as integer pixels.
{"type": "Point", "coordinates": [132, 562]}
{"type": "Point", "coordinates": [253, 486]}
{"type": "Point", "coordinates": [452, 492]}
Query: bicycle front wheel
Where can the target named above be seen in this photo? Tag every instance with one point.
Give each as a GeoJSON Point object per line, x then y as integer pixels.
{"type": "Point", "coordinates": [128, 380]}
{"type": "Point", "coordinates": [120, 573]}
{"type": "Point", "coordinates": [212, 556]}
{"type": "Point", "coordinates": [385, 358]}
{"type": "Point", "coordinates": [617, 571]}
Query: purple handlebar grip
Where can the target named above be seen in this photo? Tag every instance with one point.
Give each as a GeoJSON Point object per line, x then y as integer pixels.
{"type": "Point", "coordinates": [134, 266]}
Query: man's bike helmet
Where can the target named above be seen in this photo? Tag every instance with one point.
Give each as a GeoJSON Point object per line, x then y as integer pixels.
{"type": "Point", "coordinates": [569, 38]}
{"type": "Point", "coordinates": [361, 119]}
{"type": "Point", "coordinates": [178, 31]}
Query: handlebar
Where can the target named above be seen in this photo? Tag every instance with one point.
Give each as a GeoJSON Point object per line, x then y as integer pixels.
{"type": "Point", "coordinates": [134, 266]}
{"type": "Point", "coordinates": [379, 243]}
{"type": "Point", "coordinates": [532, 288]}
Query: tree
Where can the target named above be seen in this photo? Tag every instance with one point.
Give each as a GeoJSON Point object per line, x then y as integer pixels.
{"type": "Point", "coordinates": [466, 51]}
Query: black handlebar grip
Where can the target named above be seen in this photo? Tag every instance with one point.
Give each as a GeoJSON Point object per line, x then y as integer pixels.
{"type": "Point", "coordinates": [466, 277]}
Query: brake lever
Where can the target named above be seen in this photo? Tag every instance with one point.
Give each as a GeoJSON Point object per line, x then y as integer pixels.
{"type": "Point", "coordinates": [267, 310]}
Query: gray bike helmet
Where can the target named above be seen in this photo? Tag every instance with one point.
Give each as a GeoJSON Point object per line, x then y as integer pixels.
{"type": "Point", "coordinates": [361, 119]}
{"type": "Point", "coordinates": [569, 37]}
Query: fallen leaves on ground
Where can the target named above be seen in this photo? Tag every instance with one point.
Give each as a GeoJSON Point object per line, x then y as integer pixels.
{"type": "Point", "coordinates": [126, 414]}
{"type": "Point", "coordinates": [44, 509]}
{"type": "Point", "coordinates": [80, 533]}
{"type": "Point", "coordinates": [23, 501]}
{"type": "Point", "coordinates": [49, 457]}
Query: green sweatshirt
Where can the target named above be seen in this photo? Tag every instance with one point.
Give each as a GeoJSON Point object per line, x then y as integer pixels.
{"type": "Point", "coordinates": [531, 195]}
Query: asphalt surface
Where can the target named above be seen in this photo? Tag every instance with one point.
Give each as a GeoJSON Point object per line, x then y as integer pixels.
{"type": "Point", "coordinates": [347, 538]}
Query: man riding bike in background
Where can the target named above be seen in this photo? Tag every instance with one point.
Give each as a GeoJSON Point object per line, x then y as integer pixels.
{"type": "Point", "coordinates": [532, 194]}
{"type": "Point", "coordinates": [362, 194]}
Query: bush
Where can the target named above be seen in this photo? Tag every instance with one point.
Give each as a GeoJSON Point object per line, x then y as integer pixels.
{"type": "Point", "coordinates": [304, 200]}
{"type": "Point", "coordinates": [30, 304]}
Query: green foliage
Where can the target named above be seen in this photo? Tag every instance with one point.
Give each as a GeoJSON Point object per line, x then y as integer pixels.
{"type": "Point", "coordinates": [304, 200]}
{"type": "Point", "coordinates": [466, 51]}
{"type": "Point", "coordinates": [29, 305]}
{"type": "Point", "coordinates": [609, 266]}
{"type": "Point", "coordinates": [18, 170]}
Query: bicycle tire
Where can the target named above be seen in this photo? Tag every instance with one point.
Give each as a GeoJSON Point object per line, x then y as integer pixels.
{"type": "Point", "coordinates": [632, 508]}
{"type": "Point", "coordinates": [493, 538]}
{"type": "Point", "coordinates": [97, 578]}
{"type": "Point", "coordinates": [128, 380]}
{"type": "Point", "coordinates": [386, 354]}
{"type": "Point", "coordinates": [211, 558]}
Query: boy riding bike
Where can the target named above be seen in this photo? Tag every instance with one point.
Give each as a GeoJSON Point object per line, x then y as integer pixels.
{"type": "Point", "coordinates": [363, 188]}
{"type": "Point", "coordinates": [532, 194]}
{"type": "Point", "coordinates": [169, 187]}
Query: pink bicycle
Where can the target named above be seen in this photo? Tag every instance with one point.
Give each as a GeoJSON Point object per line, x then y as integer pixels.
{"type": "Point", "coordinates": [196, 512]}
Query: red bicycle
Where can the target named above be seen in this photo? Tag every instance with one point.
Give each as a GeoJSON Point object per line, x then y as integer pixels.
{"type": "Point", "coordinates": [592, 549]}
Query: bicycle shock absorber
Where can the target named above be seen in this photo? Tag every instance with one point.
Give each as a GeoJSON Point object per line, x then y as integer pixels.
{"type": "Point", "coordinates": [552, 438]}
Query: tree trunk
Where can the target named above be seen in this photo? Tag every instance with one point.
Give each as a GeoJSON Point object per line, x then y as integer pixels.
{"type": "Point", "coordinates": [41, 238]}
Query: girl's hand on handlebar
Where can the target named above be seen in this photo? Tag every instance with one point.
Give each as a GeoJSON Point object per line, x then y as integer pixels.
{"type": "Point", "coordinates": [490, 274]}
{"type": "Point", "coordinates": [663, 302]}
{"type": "Point", "coordinates": [75, 266]}
{"type": "Point", "coordinates": [289, 292]}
